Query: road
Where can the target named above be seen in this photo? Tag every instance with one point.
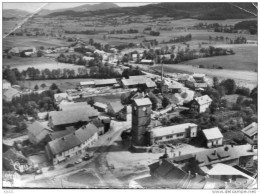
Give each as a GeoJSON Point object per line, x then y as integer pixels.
{"type": "Point", "coordinates": [98, 165]}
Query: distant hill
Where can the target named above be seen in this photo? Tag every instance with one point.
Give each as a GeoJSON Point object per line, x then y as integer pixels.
{"type": "Point", "coordinates": [203, 11]}
{"type": "Point", "coordinates": [81, 8]}
{"type": "Point", "coordinates": [14, 13]}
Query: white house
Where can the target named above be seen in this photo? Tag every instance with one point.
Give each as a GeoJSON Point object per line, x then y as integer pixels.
{"type": "Point", "coordinates": [71, 145]}
{"type": "Point", "coordinates": [213, 137]}
{"type": "Point", "coordinates": [173, 133]}
{"type": "Point", "coordinates": [61, 96]}
{"type": "Point", "coordinates": [200, 104]}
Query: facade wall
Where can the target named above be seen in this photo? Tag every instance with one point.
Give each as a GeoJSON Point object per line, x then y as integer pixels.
{"type": "Point", "coordinates": [203, 107]}
{"type": "Point", "coordinates": [214, 142]}
{"type": "Point", "coordinates": [246, 161]}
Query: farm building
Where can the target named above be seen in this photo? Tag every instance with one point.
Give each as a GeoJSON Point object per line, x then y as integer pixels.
{"type": "Point", "coordinates": [105, 82]}
{"type": "Point", "coordinates": [38, 132]}
{"type": "Point", "coordinates": [199, 78]}
{"type": "Point", "coordinates": [251, 133]}
{"type": "Point", "coordinates": [100, 126]}
{"type": "Point", "coordinates": [113, 108]}
{"type": "Point", "coordinates": [173, 133]}
{"type": "Point", "coordinates": [200, 104]}
{"type": "Point", "coordinates": [74, 106]}
{"type": "Point", "coordinates": [213, 137]}
{"type": "Point", "coordinates": [58, 134]}
{"type": "Point", "coordinates": [101, 107]}
{"type": "Point", "coordinates": [61, 119]}
{"type": "Point", "coordinates": [173, 86]}
{"type": "Point", "coordinates": [72, 144]}
{"type": "Point", "coordinates": [38, 161]}
{"type": "Point", "coordinates": [191, 83]}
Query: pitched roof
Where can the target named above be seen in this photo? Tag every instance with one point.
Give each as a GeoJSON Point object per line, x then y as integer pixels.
{"type": "Point", "coordinates": [73, 139]}
{"type": "Point", "coordinates": [223, 169]}
{"type": "Point", "coordinates": [135, 80]}
{"type": "Point", "coordinates": [150, 84]}
{"type": "Point", "coordinates": [116, 106]}
{"type": "Point", "coordinates": [72, 116]}
{"type": "Point", "coordinates": [14, 155]}
{"type": "Point", "coordinates": [73, 106]}
{"type": "Point", "coordinates": [10, 92]}
{"type": "Point", "coordinates": [251, 129]}
{"type": "Point", "coordinates": [98, 123]}
{"type": "Point", "coordinates": [142, 101]}
{"type": "Point", "coordinates": [203, 99]}
{"type": "Point", "coordinates": [59, 134]}
{"type": "Point", "coordinates": [162, 131]}
{"type": "Point", "coordinates": [87, 83]}
{"type": "Point", "coordinates": [100, 105]}
{"type": "Point", "coordinates": [38, 129]}
{"type": "Point", "coordinates": [105, 81]}
{"type": "Point", "coordinates": [213, 133]}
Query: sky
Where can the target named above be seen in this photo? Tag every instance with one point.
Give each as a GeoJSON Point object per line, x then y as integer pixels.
{"type": "Point", "coordinates": [31, 7]}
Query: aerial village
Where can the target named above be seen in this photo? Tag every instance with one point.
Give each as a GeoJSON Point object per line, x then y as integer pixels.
{"type": "Point", "coordinates": [126, 125]}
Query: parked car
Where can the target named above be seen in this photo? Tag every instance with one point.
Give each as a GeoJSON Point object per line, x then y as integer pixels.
{"type": "Point", "coordinates": [78, 161]}
{"type": "Point", "coordinates": [69, 165]}
{"type": "Point", "coordinates": [38, 171]}
{"type": "Point", "coordinates": [87, 156]}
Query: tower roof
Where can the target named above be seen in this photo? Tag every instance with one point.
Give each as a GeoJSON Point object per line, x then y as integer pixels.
{"type": "Point", "coordinates": [142, 102]}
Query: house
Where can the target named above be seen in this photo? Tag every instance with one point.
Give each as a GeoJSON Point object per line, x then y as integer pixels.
{"type": "Point", "coordinates": [199, 78]}
{"type": "Point", "coordinates": [10, 93]}
{"type": "Point", "coordinates": [38, 132]}
{"type": "Point", "coordinates": [60, 119]}
{"type": "Point", "coordinates": [174, 133]}
{"type": "Point", "coordinates": [42, 115]}
{"type": "Point", "coordinates": [170, 86]}
{"type": "Point", "coordinates": [191, 83]}
{"type": "Point", "coordinates": [60, 96]}
{"type": "Point", "coordinates": [6, 84]}
{"type": "Point", "coordinates": [100, 106]}
{"type": "Point", "coordinates": [105, 82]}
{"type": "Point", "coordinates": [251, 133]}
{"type": "Point", "coordinates": [100, 126]}
{"type": "Point", "coordinates": [213, 137]}
{"type": "Point", "coordinates": [58, 134]}
{"type": "Point", "coordinates": [71, 145]}
{"type": "Point", "coordinates": [106, 122]}
{"type": "Point", "coordinates": [200, 104]}
{"type": "Point", "coordinates": [87, 84]}
{"type": "Point", "coordinates": [14, 160]}
{"type": "Point", "coordinates": [182, 78]}
{"type": "Point", "coordinates": [113, 108]}
{"type": "Point", "coordinates": [251, 42]}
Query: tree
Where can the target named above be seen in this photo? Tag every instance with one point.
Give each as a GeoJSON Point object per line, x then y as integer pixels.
{"type": "Point", "coordinates": [215, 82]}
{"type": "Point", "coordinates": [43, 85]}
{"type": "Point", "coordinates": [39, 53]}
{"type": "Point", "coordinates": [240, 99]}
{"type": "Point", "coordinates": [36, 87]}
{"type": "Point", "coordinates": [165, 102]}
{"type": "Point", "coordinates": [229, 85]}
{"type": "Point", "coordinates": [53, 87]}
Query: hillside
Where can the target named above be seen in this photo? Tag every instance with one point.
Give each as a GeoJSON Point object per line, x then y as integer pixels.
{"type": "Point", "coordinates": [82, 8]}
{"type": "Point", "coordinates": [14, 13]}
{"type": "Point", "coordinates": [205, 11]}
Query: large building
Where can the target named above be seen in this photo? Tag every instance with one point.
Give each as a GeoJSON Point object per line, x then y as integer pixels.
{"type": "Point", "coordinates": [61, 119]}
{"type": "Point", "coordinates": [213, 136]}
{"type": "Point", "coordinates": [200, 104]}
{"type": "Point", "coordinates": [141, 119]}
{"type": "Point", "coordinates": [251, 132]}
{"type": "Point", "coordinates": [72, 144]}
{"type": "Point", "coordinates": [140, 80]}
{"type": "Point", "coordinates": [173, 133]}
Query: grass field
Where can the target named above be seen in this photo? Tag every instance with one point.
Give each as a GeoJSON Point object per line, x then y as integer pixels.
{"type": "Point", "coordinates": [244, 59]}
{"type": "Point", "coordinates": [23, 41]}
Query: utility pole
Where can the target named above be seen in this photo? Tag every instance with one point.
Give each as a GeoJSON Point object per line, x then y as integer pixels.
{"type": "Point", "coordinates": [161, 71]}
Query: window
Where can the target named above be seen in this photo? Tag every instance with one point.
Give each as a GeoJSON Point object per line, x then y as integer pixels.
{"type": "Point", "coordinates": [168, 136]}
{"type": "Point", "coordinates": [158, 138]}
{"type": "Point", "coordinates": [179, 134]}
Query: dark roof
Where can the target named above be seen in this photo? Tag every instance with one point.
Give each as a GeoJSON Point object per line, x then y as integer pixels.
{"type": "Point", "coordinates": [59, 134]}
{"type": "Point", "coordinates": [72, 116]}
{"type": "Point", "coordinates": [14, 155]}
{"type": "Point", "coordinates": [73, 139]}
{"type": "Point", "coordinates": [98, 123]}
{"type": "Point", "coordinates": [183, 158]}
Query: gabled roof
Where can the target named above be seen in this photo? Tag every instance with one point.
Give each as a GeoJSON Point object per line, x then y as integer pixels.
{"type": "Point", "coordinates": [59, 134]}
{"type": "Point", "coordinates": [250, 130]}
{"type": "Point", "coordinates": [10, 92]}
{"type": "Point", "coordinates": [14, 155]}
{"type": "Point", "coordinates": [87, 83]}
{"type": "Point", "coordinates": [213, 133]}
{"type": "Point", "coordinates": [116, 106]}
{"type": "Point", "coordinates": [74, 106]}
{"type": "Point", "coordinates": [139, 79]}
{"type": "Point", "coordinates": [38, 129]}
{"type": "Point", "coordinates": [100, 105]}
{"type": "Point", "coordinates": [162, 131]}
{"type": "Point", "coordinates": [142, 101]}
{"type": "Point", "coordinates": [73, 139]}
{"type": "Point", "coordinates": [98, 123]}
{"type": "Point", "coordinates": [203, 99]}
{"type": "Point", "coordinates": [72, 116]}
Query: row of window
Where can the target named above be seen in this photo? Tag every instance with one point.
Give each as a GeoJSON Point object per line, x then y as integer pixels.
{"type": "Point", "coordinates": [170, 136]}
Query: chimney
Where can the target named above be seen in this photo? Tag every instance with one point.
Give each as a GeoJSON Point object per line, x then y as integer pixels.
{"type": "Point", "coordinates": [226, 148]}
{"type": "Point", "coordinates": [196, 174]}
{"type": "Point", "coordinates": [179, 153]}
{"type": "Point", "coordinates": [189, 173]}
{"type": "Point", "coordinates": [232, 145]}
{"type": "Point", "coordinates": [160, 162]}
{"type": "Point", "coordinates": [214, 153]}
{"type": "Point", "coordinates": [252, 148]}
{"type": "Point", "coordinates": [230, 180]}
